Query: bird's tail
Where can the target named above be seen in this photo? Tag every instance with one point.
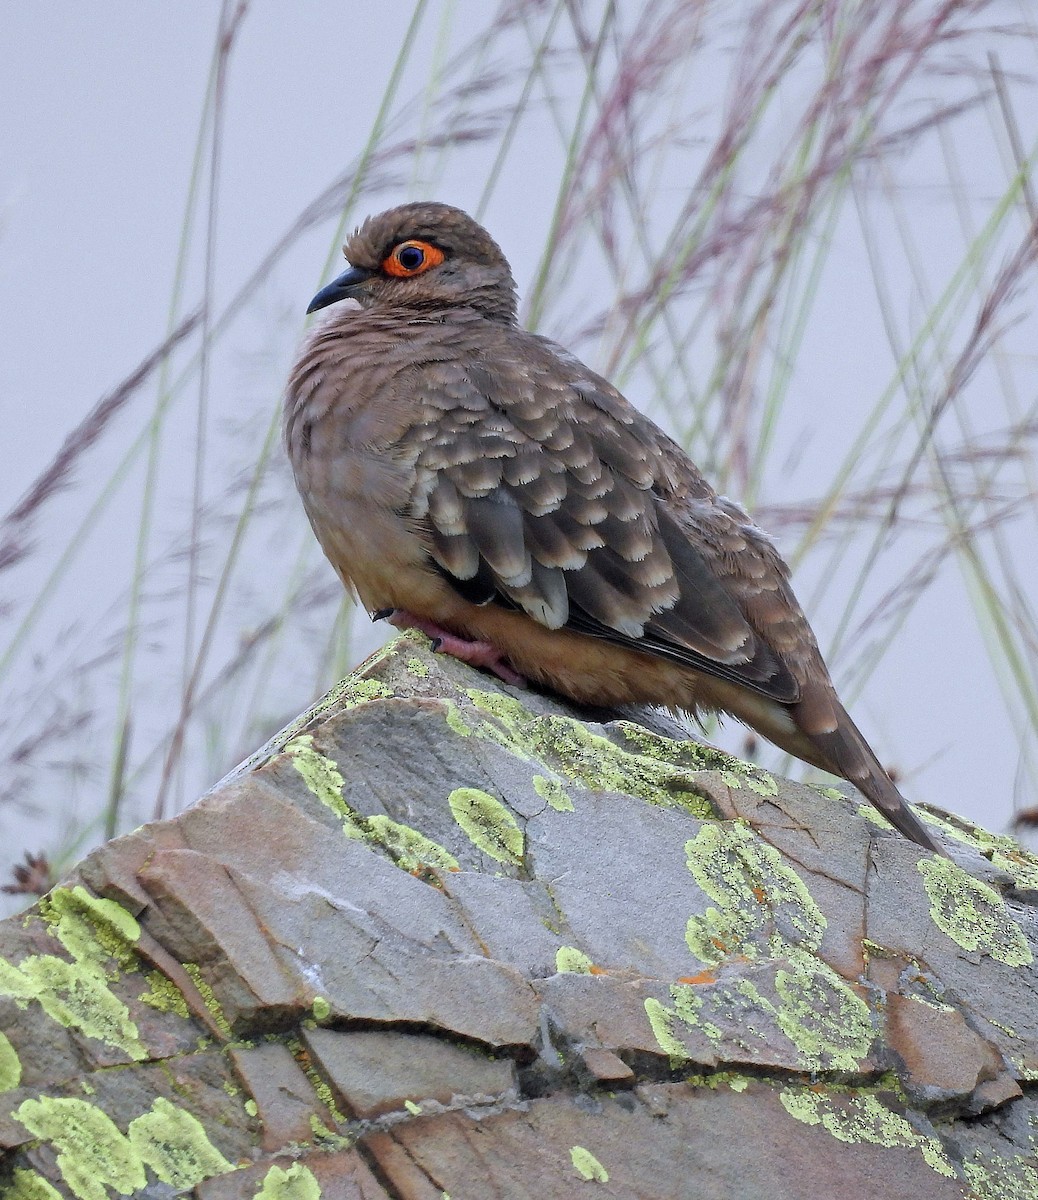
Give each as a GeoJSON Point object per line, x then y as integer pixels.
{"type": "Point", "coordinates": [845, 752]}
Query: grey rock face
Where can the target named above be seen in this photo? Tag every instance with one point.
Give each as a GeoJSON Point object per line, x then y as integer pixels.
{"type": "Point", "coordinates": [441, 937]}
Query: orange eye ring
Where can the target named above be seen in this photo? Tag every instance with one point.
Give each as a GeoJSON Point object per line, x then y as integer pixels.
{"type": "Point", "coordinates": [412, 258]}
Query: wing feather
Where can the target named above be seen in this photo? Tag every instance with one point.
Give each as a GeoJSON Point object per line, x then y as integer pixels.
{"type": "Point", "coordinates": [565, 502]}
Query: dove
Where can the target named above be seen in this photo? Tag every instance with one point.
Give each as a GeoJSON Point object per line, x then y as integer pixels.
{"type": "Point", "coordinates": [474, 480]}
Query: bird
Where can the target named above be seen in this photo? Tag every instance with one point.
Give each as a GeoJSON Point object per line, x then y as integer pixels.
{"type": "Point", "coordinates": [475, 480]}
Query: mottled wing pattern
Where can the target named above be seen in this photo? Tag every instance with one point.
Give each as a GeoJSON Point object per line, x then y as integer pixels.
{"type": "Point", "coordinates": [542, 489]}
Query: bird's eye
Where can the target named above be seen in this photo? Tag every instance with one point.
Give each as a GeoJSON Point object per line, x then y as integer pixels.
{"type": "Point", "coordinates": [412, 258]}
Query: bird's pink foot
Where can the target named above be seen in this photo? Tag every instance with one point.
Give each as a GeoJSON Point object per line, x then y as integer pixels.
{"type": "Point", "coordinates": [476, 654]}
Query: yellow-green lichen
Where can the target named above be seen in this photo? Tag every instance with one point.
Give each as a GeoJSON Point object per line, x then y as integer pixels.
{"type": "Point", "coordinates": [15, 984]}
{"type": "Point", "coordinates": [587, 1166]}
{"type": "Point", "coordinates": [1024, 1069]}
{"type": "Point", "coordinates": [829, 1024]}
{"type": "Point", "coordinates": [1006, 1029]}
{"type": "Point", "coordinates": [320, 1008]}
{"type": "Point", "coordinates": [28, 1185]}
{"type": "Point", "coordinates": [568, 749]}
{"type": "Point", "coordinates": [414, 1109]}
{"type": "Point", "coordinates": [327, 1139]}
{"type": "Point", "coordinates": [10, 1065]}
{"type": "Point", "coordinates": [408, 848]}
{"type": "Point", "coordinates": [455, 719]}
{"type": "Point", "coordinates": [417, 668]}
{"type": "Point", "coordinates": [662, 1021]}
{"type": "Point", "coordinates": [719, 1079]}
{"type": "Point", "coordinates": [347, 693]}
{"type": "Point", "coordinates": [932, 1004]}
{"type": "Point", "coordinates": [861, 1117]}
{"type": "Point", "coordinates": [353, 691]}
{"type": "Point", "coordinates": [164, 995]}
{"type": "Point", "coordinates": [752, 778]}
{"type": "Point", "coordinates": [1019, 864]}
{"type": "Point", "coordinates": [756, 893]}
{"type": "Point", "coordinates": [289, 1183]}
{"type": "Point", "coordinates": [91, 928]}
{"type": "Point", "coordinates": [694, 756]}
{"type": "Point", "coordinates": [1004, 852]}
{"type": "Point", "coordinates": [324, 779]}
{"type": "Point", "coordinates": [174, 1144]}
{"type": "Point", "coordinates": [92, 1154]}
{"type": "Point", "coordinates": [685, 753]}
{"type": "Point", "coordinates": [826, 1022]}
{"type": "Point", "coordinates": [76, 995]}
{"type": "Point", "coordinates": [688, 1006]}
{"type": "Point", "coordinates": [570, 960]}
{"type": "Point", "coordinates": [553, 791]}
{"type": "Point", "coordinates": [994, 1178]}
{"type": "Point", "coordinates": [873, 816]}
{"type": "Point", "coordinates": [323, 1090]}
{"type": "Point", "coordinates": [101, 936]}
{"type": "Point", "coordinates": [717, 934]}
{"type": "Point", "coordinates": [208, 998]}
{"type": "Point", "coordinates": [972, 914]}
{"type": "Point", "coordinates": [252, 1108]}
{"type": "Point", "coordinates": [488, 824]}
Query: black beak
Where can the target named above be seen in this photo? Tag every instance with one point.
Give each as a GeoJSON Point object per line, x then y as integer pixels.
{"type": "Point", "coordinates": [343, 288]}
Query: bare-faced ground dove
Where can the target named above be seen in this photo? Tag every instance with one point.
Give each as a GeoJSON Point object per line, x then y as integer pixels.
{"type": "Point", "coordinates": [474, 480]}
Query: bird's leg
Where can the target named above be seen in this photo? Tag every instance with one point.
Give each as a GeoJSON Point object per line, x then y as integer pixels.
{"type": "Point", "coordinates": [476, 654]}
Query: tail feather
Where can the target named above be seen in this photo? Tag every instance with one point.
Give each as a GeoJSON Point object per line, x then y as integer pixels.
{"type": "Point", "coordinates": [818, 730]}
{"type": "Point", "coordinates": [846, 753]}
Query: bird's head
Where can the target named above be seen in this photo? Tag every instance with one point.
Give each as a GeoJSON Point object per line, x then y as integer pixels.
{"type": "Point", "coordinates": [424, 256]}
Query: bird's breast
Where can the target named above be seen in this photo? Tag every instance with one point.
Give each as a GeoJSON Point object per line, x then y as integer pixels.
{"type": "Point", "coordinates": [346, 434]}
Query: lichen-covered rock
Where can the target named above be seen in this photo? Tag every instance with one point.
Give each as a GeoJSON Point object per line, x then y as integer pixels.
{"type": "Point", "coordinates": [444, 938]}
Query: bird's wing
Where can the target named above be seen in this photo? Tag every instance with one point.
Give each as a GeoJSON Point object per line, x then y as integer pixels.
{"type": "Point", "coordinates": [567, 503]}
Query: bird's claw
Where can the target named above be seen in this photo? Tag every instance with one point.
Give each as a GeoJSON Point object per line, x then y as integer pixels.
{"type": "Point", "coordinates": [476, 654]}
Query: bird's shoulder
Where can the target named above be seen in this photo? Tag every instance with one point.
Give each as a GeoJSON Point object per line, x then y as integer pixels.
{"type": "Point", "coordinates": [504, 391]}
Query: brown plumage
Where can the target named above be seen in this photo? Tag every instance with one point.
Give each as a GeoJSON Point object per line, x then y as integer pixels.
{"type": "Point", "coordinates": [478, 481]}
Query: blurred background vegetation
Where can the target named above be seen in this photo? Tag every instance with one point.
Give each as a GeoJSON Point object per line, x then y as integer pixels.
{"type": "Point", "coordinates": [800, 233]}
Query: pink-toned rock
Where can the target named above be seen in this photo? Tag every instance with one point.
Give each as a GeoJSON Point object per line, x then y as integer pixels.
{"type": "Point", "coordinates": [446, 938]}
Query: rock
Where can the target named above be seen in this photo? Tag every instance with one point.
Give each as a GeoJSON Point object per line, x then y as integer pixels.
{"type": "Point", "coordinates": [441, 937]}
